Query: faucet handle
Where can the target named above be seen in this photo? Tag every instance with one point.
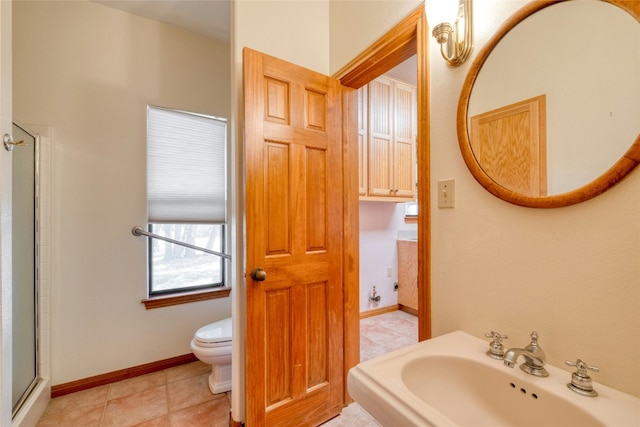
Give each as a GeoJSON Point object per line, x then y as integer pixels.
{"type": "Point", "coordinates": [496, 349]}
{"type": "Point", "coordinates": [497, 336]}
{"type": "Point", "coordinates": [581, 382]}
{"type": "Point", "coordinates": [582, 367]}
{"type": "Point", "coordinates": [533, 345]}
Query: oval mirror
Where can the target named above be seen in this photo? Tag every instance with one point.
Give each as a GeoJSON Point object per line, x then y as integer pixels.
{"type": "Point", "coordinates": [549, 114]}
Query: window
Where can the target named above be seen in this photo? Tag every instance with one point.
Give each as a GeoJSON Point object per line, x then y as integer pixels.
{"type": "Point", "coordinates": [177, 268]}
{"type": "Point", "coordinates": [186, 199]}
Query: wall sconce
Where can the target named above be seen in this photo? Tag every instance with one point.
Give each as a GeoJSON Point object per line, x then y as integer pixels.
{"type": "Point", "coordinates": [456, 41]}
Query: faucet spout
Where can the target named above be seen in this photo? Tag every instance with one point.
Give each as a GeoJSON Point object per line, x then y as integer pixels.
{"type": "Point", "coordinates": [534, 358]}
{"type": "Point", "coordinates": [511, 357]}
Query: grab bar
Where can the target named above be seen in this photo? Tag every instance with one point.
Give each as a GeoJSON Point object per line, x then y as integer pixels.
{"type": "Point", "coordinates": [139, 231]}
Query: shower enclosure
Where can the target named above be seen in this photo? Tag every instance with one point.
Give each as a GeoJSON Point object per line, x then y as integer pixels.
{"type": "Point", "coordinates": [25, 366]}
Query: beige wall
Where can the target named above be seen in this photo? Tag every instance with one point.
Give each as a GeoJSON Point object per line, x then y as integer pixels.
{"type": "Point", "coordinates": [572, 274]}
{"type": "Point", "coordinates": [89, 71]}
{"type": "Point", "coordinates": [296, 31]}
{"type": "Point", "coordinates": [356, 25]}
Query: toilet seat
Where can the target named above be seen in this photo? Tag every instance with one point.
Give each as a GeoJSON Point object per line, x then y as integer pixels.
{"type": "Point", "coordinates": [216, 334]}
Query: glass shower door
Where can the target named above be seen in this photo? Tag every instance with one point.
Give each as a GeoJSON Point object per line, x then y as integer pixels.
{"type": "Point", "coordinates": [24, 286]}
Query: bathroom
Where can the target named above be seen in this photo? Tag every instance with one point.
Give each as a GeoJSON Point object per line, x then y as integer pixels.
{"type": "Point", "coordinates": [571, 273]}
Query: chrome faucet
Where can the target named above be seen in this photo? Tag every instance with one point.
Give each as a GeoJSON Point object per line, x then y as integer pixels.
{"type": "Point", "coordinates": [534, 358]}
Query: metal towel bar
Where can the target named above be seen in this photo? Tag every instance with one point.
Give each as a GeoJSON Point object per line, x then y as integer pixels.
{"type": "Point", "coordinates": [139, 231]}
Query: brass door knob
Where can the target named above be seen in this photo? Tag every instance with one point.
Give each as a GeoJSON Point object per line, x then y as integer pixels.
{"type": "Point", "coordinates": [258, 274]}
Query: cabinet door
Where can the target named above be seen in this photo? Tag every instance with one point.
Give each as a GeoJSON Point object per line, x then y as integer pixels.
{"type": "Point", "coordinates": [404, 137]}
{"type": "Point", "coordinates": [510, 144]}
{"type": "Point", "coordinates": [380, 150]}
{"type": "Point", "coordinates": [363, 135]}
{"type": "Point", "coordinates": [408, 276]}
{"type": "Point", "coordinates": [387, 133]}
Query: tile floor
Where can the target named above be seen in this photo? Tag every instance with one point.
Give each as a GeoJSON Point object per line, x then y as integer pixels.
{"type": "Point", "coordinates": [177, 396]}
{"type": "Point", "coordinates": [387, 332]}
{"type": "Point", "coordinates": [180, 397]}
{"type": "Point", "coordinates": [378, 335]}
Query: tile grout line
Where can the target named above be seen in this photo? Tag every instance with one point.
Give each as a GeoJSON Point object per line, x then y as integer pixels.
{"type": "Point", "coordinates": [104, 407]}
{"type": "Point", "coordinates": [166, 390]}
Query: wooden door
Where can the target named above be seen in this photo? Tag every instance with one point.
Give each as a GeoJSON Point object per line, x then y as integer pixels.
{"type": "Point", "coordinates": [294, 198]}
{"type": "Point", "coordinates": [510, 145]}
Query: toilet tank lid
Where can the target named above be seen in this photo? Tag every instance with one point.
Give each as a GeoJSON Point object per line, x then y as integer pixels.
{"type": "Point", "coordinates": [219, 331]}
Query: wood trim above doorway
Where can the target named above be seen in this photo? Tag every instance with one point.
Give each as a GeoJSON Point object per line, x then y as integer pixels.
{"type": "Point", "coordinates": [408, 38]}
{"type": "Point", "coordinates": [395, 47]}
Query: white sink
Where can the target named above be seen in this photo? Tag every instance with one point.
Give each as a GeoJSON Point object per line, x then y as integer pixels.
{"type": "Point", "coordinates": [450, 381]}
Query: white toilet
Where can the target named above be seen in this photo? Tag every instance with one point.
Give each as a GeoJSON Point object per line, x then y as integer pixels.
{"type": "Point", "coordinates": [212, 344]}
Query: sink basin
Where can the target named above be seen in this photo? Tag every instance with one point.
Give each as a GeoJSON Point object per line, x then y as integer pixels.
{"type": "Point", "coordinates": [489, 393]}
{"type": "Point", "coordinates": [450, 381]}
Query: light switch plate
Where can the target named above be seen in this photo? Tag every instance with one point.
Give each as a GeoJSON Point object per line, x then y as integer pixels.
{"type": "Point", "coordinates": [446, 193]}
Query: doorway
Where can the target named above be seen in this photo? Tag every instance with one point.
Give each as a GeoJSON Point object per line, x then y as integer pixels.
{"type": "Point", "coordinates": [25, 365]}
{"type": "Point", "coordinates": [386, 117]}
{"type": "Point", "coordinates": [406, 39]}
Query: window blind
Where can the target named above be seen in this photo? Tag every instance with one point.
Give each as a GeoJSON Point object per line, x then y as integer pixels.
{"type": "Point", "coordinates": [186, 177]}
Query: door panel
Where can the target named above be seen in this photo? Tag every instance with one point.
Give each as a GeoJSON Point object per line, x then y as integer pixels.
{"type": "Point", "coordinates": [363, 138]}
{"type": "Point", "coordinates": [381, 137]}
{"type": "Point", "coordinates": [510, 144]}
{"type": "Point", "coordinates": [404, 132]}
{"type": "Point", "coordinates": [294, 198]}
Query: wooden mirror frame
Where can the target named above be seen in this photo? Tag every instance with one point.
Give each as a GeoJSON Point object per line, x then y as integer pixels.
{"type": "Point", "coordinates": [608, 179]}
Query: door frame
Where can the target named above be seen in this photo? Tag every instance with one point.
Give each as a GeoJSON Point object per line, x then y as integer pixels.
{"type": "Point", "coordinates": [409, 37]}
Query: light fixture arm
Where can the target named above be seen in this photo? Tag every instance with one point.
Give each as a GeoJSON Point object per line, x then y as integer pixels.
{"type": "Point", "coordinates": [455, 47]}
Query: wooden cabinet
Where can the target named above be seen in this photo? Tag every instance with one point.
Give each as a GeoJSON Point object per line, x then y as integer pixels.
{"type": "Point", "coordinates": [408, 276]}
{"type": "Point", "coordinates": [387, 135]}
